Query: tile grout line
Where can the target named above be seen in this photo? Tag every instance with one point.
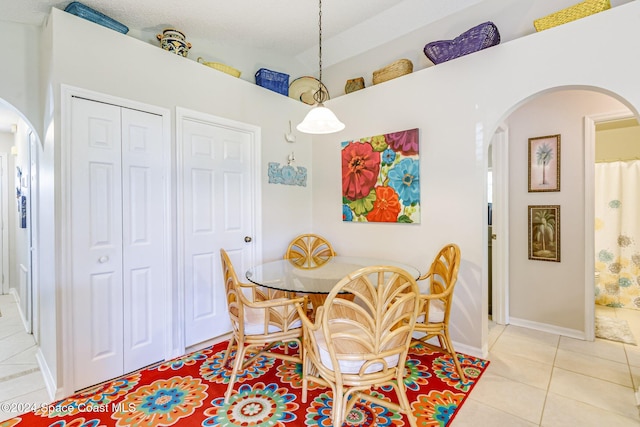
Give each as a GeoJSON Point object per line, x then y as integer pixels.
{"type": "Point", "coordinates": [19, 374]}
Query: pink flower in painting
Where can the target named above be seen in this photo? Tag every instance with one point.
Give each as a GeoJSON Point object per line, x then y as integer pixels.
{"type": "Point", "coordinates": [405, 142]}
{"type": "Point", "coordinates": [386, 206]}
{"type": "Point", "coordinates": [360, 169]}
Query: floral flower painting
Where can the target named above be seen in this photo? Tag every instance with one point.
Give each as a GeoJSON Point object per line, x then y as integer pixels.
{"type": "Point", "coordinates": [381, 178]}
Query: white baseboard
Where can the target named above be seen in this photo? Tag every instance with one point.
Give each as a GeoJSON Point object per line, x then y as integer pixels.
{"type": "Point", "coordinates": [552, 329]}
{"type": "Point", "coordinates": [16, 297]}
{"type": "Point", "coordinates": [49, 381]}
{"type": "Point", "coordinates": [208, 343]}
{"type": "Point", "coordinates": [459, 347]}
{"type": "Point", "coordinates": [469, 350]}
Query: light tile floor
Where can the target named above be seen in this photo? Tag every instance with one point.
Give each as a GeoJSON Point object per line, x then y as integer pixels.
{"type": "Point", "coordinates": [21, 381]}
{"type": "Point", "coordinates": [541, 379]}
{"type": "Point", "coordinates": [534, 379]}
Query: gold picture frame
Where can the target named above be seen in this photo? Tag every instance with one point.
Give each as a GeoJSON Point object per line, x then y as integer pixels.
{"type": "Point", "coordinates": [544, 232]}
{"type": "Point", "coordinates": [544, 163]}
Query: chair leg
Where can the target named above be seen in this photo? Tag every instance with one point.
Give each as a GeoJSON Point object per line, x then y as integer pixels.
{"type": "Point", "coordinates": [337, 415]}
{"type": "Point", "coordinates": [237, 366]}
{"type": "Point", "coordinates": [401, 391]}
{"type": "Point", "coordinates": [225, 359]}
{"type": "Point", "coordinates": [305, 376]}
{"type": "Point", "coordinates": [454, 356]}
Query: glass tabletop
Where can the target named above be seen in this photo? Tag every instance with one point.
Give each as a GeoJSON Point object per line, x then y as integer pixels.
{"type": "Point", "coordinates": [284, 275]}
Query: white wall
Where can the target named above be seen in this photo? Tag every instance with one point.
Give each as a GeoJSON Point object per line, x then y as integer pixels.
{"type": "Point", "coordinates": [121, 66]}
{"type": "Point", "coordinates": [124, 67]}
{"type": "Point", "coordinates": [512, 18]}
{"type": "Point", "coordinates": [549, 292]}
{"type": "Point", "coordinates": [457, 105]}
{"type": "Point", "coordinates": [7, 140]}
{"type": "Point", "coordinates": [19, 71]}
{"type": "Point", "coordinates": [245, 59]}
{"type": "Point", "coordinates": [19, 237]}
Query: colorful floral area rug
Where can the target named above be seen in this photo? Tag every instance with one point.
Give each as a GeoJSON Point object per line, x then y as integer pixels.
{"type": "Point", "coordinates": [189, 391]}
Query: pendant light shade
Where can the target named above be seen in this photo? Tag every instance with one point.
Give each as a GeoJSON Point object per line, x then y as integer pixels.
{"type": "Point", "coordinates": [320, 119]}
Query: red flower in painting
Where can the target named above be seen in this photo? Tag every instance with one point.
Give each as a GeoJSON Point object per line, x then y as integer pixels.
{"type": "Point", "coordinates": [386, 206]}
{"type": "Point", "coordinates": [405, 142]}
{"type": "Point", "coordinates": [360, 168]}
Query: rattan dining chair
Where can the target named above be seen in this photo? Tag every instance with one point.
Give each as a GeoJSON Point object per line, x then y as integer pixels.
{"type": "Point", "coordinates": [309, 251]}
{"type": "Point", "coordinates": [433, 320]}
{"type": "Point", "coordinates": [352, 346]}
{"type": "Point", "coordinates": [260, 318]}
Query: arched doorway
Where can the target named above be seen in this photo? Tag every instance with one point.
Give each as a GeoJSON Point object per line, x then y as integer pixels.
{"type": "Point", "coordinates": [553, 296]}
{"type": "Point", "coordinates": [20, 149]}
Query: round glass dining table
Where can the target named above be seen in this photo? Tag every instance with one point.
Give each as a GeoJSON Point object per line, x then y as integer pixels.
{"type": "Point", "coordinates": [286, 276]}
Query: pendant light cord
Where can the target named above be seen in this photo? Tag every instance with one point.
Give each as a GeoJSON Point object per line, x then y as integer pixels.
{"type": "Point", "coordinates": [320, 95]}
{"type": "Point", "coordinates": [320, 40]}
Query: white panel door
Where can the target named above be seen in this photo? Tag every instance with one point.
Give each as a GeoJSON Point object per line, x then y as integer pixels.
{"type": "Point", "coordinates": [143, 238]}
{"type": "Point", "coordinates": [96, 221]}
{"type": "Point", "coordinates": [217, 213]}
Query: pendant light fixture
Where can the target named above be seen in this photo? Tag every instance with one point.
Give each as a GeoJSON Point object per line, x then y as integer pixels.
{"type": "Point", "coordinates": [320, 119]}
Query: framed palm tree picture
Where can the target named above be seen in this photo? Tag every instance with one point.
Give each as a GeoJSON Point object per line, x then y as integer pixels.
{"type": "Point", "coordinates": [544, 232]}
{"type": "Point", "coordinates": [544, 163]}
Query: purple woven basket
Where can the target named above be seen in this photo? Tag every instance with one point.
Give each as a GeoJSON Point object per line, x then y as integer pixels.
{"type": "Point", "coordinates": [477, 38]}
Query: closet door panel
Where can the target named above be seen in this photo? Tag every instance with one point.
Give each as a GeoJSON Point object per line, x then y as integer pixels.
{"type": "Point", "coordinates": [143, 238]}
{"type": "Point", "coordinates": [96, 242]}
{"type": "Point", "coordinates": [216, 206]}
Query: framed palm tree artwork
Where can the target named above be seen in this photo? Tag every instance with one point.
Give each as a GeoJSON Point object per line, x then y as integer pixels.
{"type": "Point", "coordinates": [544, 232]}
{"type": "Point", "coordinates": [544, 163]}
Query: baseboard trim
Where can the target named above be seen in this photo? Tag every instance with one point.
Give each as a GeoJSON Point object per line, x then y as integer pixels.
{"type": "Point", "coordinates": [16, 297]}
{"type": "Point", "coordinates": [544, 327]}
{"type": "Point", "coordinates": [469, 350]}
{"type": "Point", "coordinates": [49, 381]}
{"type": "Point", "coordinates": [207, 343]}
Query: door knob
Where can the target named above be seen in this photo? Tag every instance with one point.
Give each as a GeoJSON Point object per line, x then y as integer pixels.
{"type": "Point", "coordinates": [103, 259]}
{"type": "Point", "coordinates": [247, 239]}
{"type": "Point", "coordinates": [494, 237]}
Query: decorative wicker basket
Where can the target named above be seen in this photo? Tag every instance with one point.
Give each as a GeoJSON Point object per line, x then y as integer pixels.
{"type": "Point", "coordinates": [354, 84]}
{"type": "Point", "coordinates": [273, 80]}
{"type": "Point", "coordinates": [473, 40]}
{"type": "Point", "coordinates": [393, 70]}
{"type": "Point", "coordinates": [221, 67]}
{"type": "Point", "coordinates": [577, 11]}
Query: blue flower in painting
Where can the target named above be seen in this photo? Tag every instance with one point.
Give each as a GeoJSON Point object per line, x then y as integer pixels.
{"type": "Point", "coordinates": [347, 214]}
{"type": "Point", "coordinates": [405, 179]}
{"type": "Point", "coordinates": [388, 156]}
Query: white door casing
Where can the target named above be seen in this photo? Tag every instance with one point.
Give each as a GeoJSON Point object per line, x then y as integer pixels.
{"type": "Point", "coordinates": [218, 210]}
{"type": "Point", "coordinates": [118, 278]}
{"type": "Point", "coordinates": [500, 256]}
{"type": "Point", "coordinates": [4, 223]}
{"type": "Point", "coordinates": [589, 213]}
{"type": "Point", "coordinates": [34, 236]}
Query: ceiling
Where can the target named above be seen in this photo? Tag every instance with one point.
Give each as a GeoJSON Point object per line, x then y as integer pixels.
{"type": "Point", "coordinates": [290, 27]}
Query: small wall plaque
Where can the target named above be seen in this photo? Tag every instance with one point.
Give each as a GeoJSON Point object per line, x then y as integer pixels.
{"type": "Point", "coordinates": [287, 174]}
